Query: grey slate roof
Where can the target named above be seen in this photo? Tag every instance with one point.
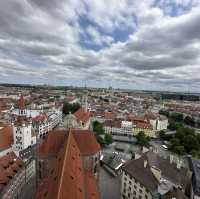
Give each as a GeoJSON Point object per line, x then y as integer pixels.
{"type": "Point", "coordinates": [136, 169]}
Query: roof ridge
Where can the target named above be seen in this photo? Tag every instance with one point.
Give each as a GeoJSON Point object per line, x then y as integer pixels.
{"type": "Point", "coordinates": [66, 151]}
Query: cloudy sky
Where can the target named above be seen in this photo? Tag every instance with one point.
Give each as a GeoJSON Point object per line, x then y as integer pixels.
{"type": "Point", "coordinates": [136, 44]}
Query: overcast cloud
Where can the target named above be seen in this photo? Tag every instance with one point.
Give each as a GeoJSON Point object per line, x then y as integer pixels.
{"type": "Point", "coordinates": [149, 44]}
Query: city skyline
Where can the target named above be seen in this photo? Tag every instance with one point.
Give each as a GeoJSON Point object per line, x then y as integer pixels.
{"type": "Point", "coordinates": [147, 45]}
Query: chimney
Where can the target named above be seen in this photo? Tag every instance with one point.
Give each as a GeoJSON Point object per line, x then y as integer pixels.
{"type": "Point", "coordinates": [145, 163]}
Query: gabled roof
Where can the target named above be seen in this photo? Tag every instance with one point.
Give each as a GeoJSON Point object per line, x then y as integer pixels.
{"type": "Point", "coordinates": [66, 177]}
{"type": "Point", "coordinates": [169, 171]}
{"type": "Point", "coordinates": [82, 115]}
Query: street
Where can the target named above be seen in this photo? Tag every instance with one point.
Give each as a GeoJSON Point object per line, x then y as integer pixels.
{"type": "Point", "coordinates": [109, 185]}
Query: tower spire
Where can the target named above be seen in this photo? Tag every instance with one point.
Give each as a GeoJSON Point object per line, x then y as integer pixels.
{"type": "Point", "coordinates": [21, 106]}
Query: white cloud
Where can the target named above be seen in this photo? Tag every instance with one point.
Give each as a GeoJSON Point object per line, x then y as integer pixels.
{"type": "Point", "coordinates": [41, 39]}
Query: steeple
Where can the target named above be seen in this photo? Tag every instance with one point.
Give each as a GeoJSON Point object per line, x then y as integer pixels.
{"type": "Point", "coordinates": [21, 106]}
{"type": "Point", "coordinates": [84, 102]}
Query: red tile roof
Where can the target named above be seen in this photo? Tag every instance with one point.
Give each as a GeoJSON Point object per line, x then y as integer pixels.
{"type": "Point", "coordinates": [40, 118]}
{"type": "Point", "coordinates": [143, 125]}
{"type": "Point", "coordinates": [92, 191]}
{"type": "Point", "coordinates": [9, 165]}
{"type": "Point", "coordinates": [68, 179]}
{"type": "Point", "coordinates": [113, 123]}
{"type": "Point", "coordinates": [86, 142]}
{"type": "Point", "coordinates": [6, 137]}
{"type": "Point", "coordinates": [82, 116]}
{"type": "Point", "coordinates": [110, 115]}
{"type": "Point", "coordinates": [52, 144]}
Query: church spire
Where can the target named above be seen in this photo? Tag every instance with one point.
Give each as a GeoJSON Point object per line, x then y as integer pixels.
{"type": "Point", "coordinates": [21, 106]}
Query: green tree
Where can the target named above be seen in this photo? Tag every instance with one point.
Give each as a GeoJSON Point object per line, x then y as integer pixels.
{"type": "Point", "coordinates": [189, 120]}
{"type": "Point", "coordinates": [108, 139]}
{"type": "Point", "coordinates": [98, 128]}
{"type": "Point", "coordinates": [174, 142]}
{"type": "Point", "coordinates": [100, 140]}
{"type": "Point", "coordinates": [162, 135]}
{"type": "Point", "coordinates": [67, 108]}
{"type": "Point", "coordinates": [174, 126]}
{"type": "Point", "coordinates": [142, 139]}
{"type": "Point", "coordinates": [190, 143]}
{"type": "Point", "coordinates": [164, 112]}
{"type": "Point", "coordinates": [179, 150]}
{"type": "Point", "coordinates": [177, 117]}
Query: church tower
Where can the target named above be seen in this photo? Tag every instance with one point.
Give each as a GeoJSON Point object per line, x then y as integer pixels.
{"type": "Point", "coordinates": [84, 102]}
{"type": "Point", "coordinates": [23, 135]}
{"type": "Point", "coordinates": [21, 107]}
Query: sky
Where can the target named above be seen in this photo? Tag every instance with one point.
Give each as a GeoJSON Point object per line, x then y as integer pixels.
{"type": "Point", "coordinates": [134, 44]}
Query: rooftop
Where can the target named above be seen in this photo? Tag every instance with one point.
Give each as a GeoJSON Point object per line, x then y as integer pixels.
{"type": "Point", "coordinates": [6, 137]}
{"type": "Point", "coordinates": [82, 116]}
{"type": "Point", "coordinates": [10, 164]}
{"type": "Point", "coordinates": [67, 177]}
{"type": "Point", "coordinates": [144, 175]}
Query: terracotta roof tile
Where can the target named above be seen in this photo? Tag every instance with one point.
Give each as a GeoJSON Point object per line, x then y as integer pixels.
{"type": "Point", "coordinates": [86, 142]}
{"type": "Point", "coordinates": [67, 179]}
{"type": "Point", "coordinates": [6, 137]}
{"type": "Point", "coordinates": [8, 165]}
{"type": "Point", "coordinates": [92, 191]}
{"type": "Point", "coordinates": [82, 116]}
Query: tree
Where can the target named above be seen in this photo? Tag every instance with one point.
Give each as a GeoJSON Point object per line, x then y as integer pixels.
{"type": "Point", "coordinates": [100, 140]}
{"type": "Point", "coordinates": [162, 135]}
{"type": "Point", "coordinates": [189, 120]}
{"type": "Point", "coordinates": [174, 142]}
{"type": "Point", "coordinates": [190, 143]}
{"type": "Point", "coordinates": [142, 139]}
{"type": "Point", "coordinates": [177, 117]}
{"type": "Point", "coordinates": [67, 108]}
{"type": "Point", "coordinates": [98, 128]}
{"type": "Point", "coordinates": [163, 112]}
{"type": "Point", "coordinates": [174, 126]}
{"type": "Point", "coordinates": [108, 139]}
{"type": "Point", "coordinates": [179, 150]}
